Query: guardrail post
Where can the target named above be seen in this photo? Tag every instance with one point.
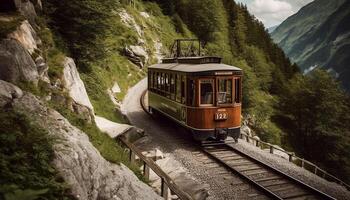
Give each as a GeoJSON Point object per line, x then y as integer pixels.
{"type": "Point", "coordinates": [271, 149]}
{"type": "Point", "coordinates": [164, 189]}
{"type": "Point", "coordinates": [132, 156]}
{"type": "Point", "coordinates": [145, 170]}
{"type": "Point", "coordinates": [290, 157]}
{"type": "Point", "coordinates": [302, 163]}
{"type": "Point", "coordinates": [316, 170]}
{"type": "Point", "coordinates": [247, 138]}
{"type": "Point", "coordinates": [257, 143]}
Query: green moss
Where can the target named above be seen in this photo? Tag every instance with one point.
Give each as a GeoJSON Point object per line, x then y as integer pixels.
{"type": "Point", "coordinates": [26, 153]}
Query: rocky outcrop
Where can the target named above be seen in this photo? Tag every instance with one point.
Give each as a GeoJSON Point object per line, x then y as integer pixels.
{"type": "Point", "coordinates": [111, 128]}
{"type": "Point", "coordinates": [73, 84]}
{"type": "Point", "coordinates": [82, 167]}
{"type": "Point", "coordinates": [8, 92]}
{"type": "Point", "coordinates": [42, 68]}
{"type": "Point", "coordinates": [129, 21]}
{"type": "Point", "coordinates": [16, 65]}
{"type": "Point", "coordinates": [27, 36]}
{"type": "Point", "coordinates": [26, 8]}
{"type": "Point", "coordinates": [137, 55]}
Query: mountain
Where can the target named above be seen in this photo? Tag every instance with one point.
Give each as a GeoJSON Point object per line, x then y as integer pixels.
{"type": "Point", "coordinates": [318, 36]}
{"type": "Point", "coordinates": [272, 28]}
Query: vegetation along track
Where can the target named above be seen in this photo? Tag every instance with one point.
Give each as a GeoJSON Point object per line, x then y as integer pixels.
{"type": "Point", "coordinates": [270, 181]}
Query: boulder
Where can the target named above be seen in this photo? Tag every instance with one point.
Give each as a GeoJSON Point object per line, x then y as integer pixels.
{"type": "Point", "coordinates": [83, 112]}
{"type": "Point", "coordinates": [74, 85]}
{"type": "Point", "coordinates": [111, 128]}
{"type": "Point", "coordinates": [137, 55]}
{"type": "Point", "coordinates": [42, 69]}
{"type": "Point", "coordinates": [27, 36]}
{"type": "Point", "coordinates": [8, 92]}
{"type": "Point", "coordinates": [16, 65]}
{"type": "Point", "coordinates": [88, 174]}
{"type": "Point", "coordinates": [116, 88]}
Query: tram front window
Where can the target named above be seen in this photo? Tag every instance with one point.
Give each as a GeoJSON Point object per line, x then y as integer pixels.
{"type": "Point", "coordinates": [206, 88]}
{"type": "Point", "coordinates": [225, 91]}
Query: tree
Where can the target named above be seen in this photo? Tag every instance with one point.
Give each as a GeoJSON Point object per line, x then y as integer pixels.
{"type": "Point", "coordinates": [316, 115]}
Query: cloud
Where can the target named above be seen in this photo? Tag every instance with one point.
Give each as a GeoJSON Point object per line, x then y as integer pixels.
{"type": "Point", "coordinates": [273, 12]}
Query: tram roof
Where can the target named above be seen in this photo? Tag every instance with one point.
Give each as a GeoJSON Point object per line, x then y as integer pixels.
{"type": "Point", "coordinates": [192, 68]}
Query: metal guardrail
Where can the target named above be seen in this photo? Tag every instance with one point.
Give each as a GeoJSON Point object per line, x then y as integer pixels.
{"type": "Point", "coordinates": [295, 159]}
{"type": "Point", "coordinates": [149, 164]}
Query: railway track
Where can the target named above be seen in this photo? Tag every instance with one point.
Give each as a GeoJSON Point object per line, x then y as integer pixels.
{"type": "Point", "coordinates": [270, 181]}
{"type": "Point", "coordinates": [267, 179]}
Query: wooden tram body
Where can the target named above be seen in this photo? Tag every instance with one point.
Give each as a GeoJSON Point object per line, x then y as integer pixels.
{"type": "Point", "coordinates": [199, 93]}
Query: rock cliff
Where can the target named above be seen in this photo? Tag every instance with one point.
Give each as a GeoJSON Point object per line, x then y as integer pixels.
{"type": "Point", "coordinates": [26, 88]}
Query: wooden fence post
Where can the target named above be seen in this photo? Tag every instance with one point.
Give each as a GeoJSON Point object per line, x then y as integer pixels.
{"type": "Point", "coordinates": [290, 157]}
{"type": "Point", "coordinates": [132, 156]}
{"type": "Point", "coordinates": [302, 163]}
{"type": "Point", "coordinates": [164, 189]}
{"type": "Point", "coordinates": [145, 170]}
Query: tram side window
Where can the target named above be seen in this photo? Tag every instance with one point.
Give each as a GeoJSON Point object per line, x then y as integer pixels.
{"type": "Point", "coordinates": [206, 92]}
{"type": "Point", "coordinates": [162, 82]}
{"type": "Point", "coordinates": [150, 80]}
{"type": "Point", "coordinates": [158, 81]}
{"type": "Point", "coordinates": [238, 90]}
{"type": "Point", "coordinates": [225, 91]}
{"type": "Point", "coordinates": [178, 88]}
{"type": "Point", "coordinates": [183, 96]}
{"type": "Point", "coordinates": [154, 80]}
{"type": "Point", "coordinates": [191, 92]}
{"type": "Point", "coordinates": [172, 86]}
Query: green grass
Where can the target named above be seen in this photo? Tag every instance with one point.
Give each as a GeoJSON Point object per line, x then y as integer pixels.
{"type": "Point", "coordinates": [26, 153]}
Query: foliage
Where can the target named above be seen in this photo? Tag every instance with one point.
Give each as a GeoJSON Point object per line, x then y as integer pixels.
{"type": "Point", "coordinates": [26, 154]}
{"type": "Point", "coordinates": [314, 114]}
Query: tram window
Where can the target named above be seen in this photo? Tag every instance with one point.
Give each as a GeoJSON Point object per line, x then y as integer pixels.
{"type": "Point", "coordinates": [150, 80]}
{"type": "Point", "coordinates": [183, 97]}
{"type": "Point", "coordinates": [224, 91]}
{"type": "Point", "coordinates": [154, 80]}
{"type": "Point", "coordinates": [238, 90]}
{"type": "Point", "coordinates": [158, 81]}
{"type": "Point", "coordinates": [206, 92]}
{"type": "Point", "coordinates": [172, 86]}
{"type": "Point", "coordinates": [162, 82]}
{"type": "Point", "coordinates": [191, 92]}
{"type": "Point", "coordinates": [178, 88]}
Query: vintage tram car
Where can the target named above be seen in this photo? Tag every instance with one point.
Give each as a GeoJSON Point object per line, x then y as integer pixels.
{"type": "Point", "coordinates": [199, 93]}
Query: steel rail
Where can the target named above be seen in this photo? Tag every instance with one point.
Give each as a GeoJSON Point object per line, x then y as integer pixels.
{"type": "Point", "coordinates": [313, 191]}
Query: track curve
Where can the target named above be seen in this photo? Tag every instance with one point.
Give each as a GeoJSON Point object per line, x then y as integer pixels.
{"type": "Point", "coordinates": [269, 180]}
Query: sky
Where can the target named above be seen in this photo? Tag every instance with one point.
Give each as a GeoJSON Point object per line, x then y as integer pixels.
{"type": "Point", "coordinates": [273, 12]}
